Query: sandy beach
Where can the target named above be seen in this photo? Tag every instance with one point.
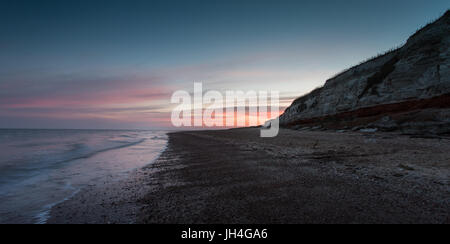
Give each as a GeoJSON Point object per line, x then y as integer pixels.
{"type": "Point", "coordinates": [234, 176]}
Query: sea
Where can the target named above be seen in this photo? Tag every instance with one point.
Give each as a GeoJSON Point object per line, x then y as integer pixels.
{"type": "Point", "coordinates": [41, 168]}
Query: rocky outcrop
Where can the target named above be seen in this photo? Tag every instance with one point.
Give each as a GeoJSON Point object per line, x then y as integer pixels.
{"type": "Point", "coordinates": [404, 89]}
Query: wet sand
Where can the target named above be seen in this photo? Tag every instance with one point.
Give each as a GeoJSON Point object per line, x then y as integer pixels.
{"type": "Point", "coordinates": [235, 176]}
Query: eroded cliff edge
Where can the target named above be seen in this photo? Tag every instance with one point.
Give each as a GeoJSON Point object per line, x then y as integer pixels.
{"type": "Point", "coordinates": [406, 89]}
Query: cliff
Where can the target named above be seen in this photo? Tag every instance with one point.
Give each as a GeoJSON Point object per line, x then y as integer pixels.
{"type": "Point", "coordinates": [404, 89]}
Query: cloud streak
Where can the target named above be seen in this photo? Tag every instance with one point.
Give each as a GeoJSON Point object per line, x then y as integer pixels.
{"type": "Point", "coordinates": [129, 97]}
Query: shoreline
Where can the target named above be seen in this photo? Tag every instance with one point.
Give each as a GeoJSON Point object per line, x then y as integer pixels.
{"type": "Point", "coordinates": [235, 177]}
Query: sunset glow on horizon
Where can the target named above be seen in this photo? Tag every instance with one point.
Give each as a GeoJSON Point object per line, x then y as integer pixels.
{"type": "Point", "coordinates": [89, 65]}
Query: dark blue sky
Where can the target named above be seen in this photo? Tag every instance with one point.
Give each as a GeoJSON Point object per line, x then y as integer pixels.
{"type": "Point", "coordinates": [53, 52]}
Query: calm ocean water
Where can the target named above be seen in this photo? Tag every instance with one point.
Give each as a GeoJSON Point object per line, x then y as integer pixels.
{"type": "Point", "coordinates": [40, 168]}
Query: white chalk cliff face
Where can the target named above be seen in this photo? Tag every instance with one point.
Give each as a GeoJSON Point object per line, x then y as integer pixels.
{"type": "Point", "coordinates": [418, 71]}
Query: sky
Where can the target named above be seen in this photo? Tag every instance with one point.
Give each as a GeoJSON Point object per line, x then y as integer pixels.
{"type": "Point", "coordinates": [115, 64]}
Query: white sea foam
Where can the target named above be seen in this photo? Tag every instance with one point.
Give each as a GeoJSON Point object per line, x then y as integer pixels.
{"type": "Point", "coordinates": [41, 168]}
